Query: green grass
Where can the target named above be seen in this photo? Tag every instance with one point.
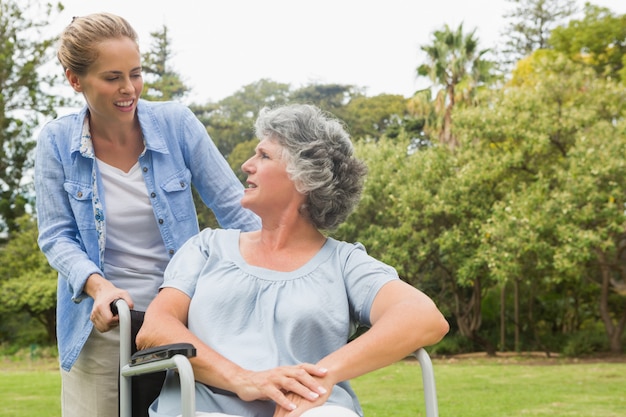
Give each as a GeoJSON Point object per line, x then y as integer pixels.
{"type": "Point", "coordinates": [498, 388]}
{"type": "Point", "coordinates": [465, 388]}
{"type": "Point", "coordinates": [30, 393]}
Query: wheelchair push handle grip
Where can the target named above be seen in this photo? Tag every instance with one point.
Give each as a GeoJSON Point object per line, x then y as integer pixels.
{"type": "Point", "coordinates": [113, 306]}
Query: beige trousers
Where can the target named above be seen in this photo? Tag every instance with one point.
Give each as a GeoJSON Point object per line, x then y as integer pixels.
{"type": "Point", "coordinates": [90, 388]}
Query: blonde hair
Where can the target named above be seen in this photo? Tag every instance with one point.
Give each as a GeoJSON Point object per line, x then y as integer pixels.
{"type": "Point", "coordinates": [77, 44]}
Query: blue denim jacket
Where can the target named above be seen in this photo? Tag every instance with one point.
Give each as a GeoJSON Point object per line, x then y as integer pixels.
{"type": "Point", "coordinates": [70, 211]}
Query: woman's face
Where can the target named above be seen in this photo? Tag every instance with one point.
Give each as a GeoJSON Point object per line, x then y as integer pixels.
{"type": "Point", "coordinates": [114, 82]}
{"type": "Point", "coordinates": [269, 188]}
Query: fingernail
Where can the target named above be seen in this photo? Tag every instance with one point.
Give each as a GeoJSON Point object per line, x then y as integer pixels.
{"type": "Point", "coordinates": [322, 390]}
{"type": "Point", "coordinates": [314, 395]}
{"type": "Point", "coordinates": [292, 406]}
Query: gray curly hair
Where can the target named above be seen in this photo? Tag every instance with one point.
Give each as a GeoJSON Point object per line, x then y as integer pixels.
{"type": "Point", "coordinates": [320, 160]}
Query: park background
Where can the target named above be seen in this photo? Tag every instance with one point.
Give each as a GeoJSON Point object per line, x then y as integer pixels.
{"type": "Point", "coordinates": [497, 186]}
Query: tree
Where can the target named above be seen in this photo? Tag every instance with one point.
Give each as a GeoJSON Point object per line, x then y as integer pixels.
{"type": "Point", "coordinates": [421, 212]}
{"type": "Point", "coordinates": [370, 117]}
{"type": "Point", "coordinates": [557, 134]}
{"type": "Point", "coordinates": [27, 283]}
{"type": "Point", "coordinates": [329, 97]}
{"type": "Point", "coordinates": [455, 64]}
{"type": "Point", "coordinates": [25, 98]}
{"type": "Point", "coordinates": [597, 40]}
{"type": "Point", "coordinates": [162, 83]}
{"type": "Point", "coordinates": [531, 22]}
{"type": "Point", "coordinates": [231, 120]}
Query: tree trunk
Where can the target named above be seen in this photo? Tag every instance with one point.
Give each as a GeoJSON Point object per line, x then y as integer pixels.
{"type": "Point", "coordinates": [503, 317]}
{"type": "Point", "coordinates": [469, 316]}
{"type": "Point", "coordinates": [446, 136]}
{"type": "Point", "coordinates": [614, 331]}
{"type": "Point", "coordinates": [516, 307]}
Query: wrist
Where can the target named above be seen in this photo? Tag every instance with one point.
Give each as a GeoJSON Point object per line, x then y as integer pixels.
{"type": "Point", "coordinates": [94, 284]}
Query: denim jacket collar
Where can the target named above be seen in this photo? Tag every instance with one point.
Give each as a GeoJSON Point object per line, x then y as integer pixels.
{"type": "Point", "coordinates": [154, 139]}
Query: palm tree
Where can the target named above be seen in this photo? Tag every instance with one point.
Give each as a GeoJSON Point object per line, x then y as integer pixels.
{"type": "Point", "coordinates": [454, 63]}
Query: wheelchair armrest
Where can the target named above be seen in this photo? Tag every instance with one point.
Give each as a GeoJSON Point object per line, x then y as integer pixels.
{"type": "Point", "coordinates": [162, 352]}
{"type": "Point", "coordinates": [177, 361]}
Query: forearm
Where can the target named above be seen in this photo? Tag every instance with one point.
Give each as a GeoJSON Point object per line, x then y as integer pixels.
{"type": "Point", "coordinates": [73, 265]}
{"type": "Point", "coordinates": [404, 327]}
{"type": "Point", "coordinates": [166, 322]}
{"type": "Point", "coordinates": [60, 239]}
{"type": "Point", "coordinates": [165, 325]}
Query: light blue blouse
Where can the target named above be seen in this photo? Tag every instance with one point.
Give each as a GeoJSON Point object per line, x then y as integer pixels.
{"type": "Point", "coordinates": [260, 318]}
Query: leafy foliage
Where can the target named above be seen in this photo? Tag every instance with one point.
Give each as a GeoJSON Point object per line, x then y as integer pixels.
{"type": "Point", "coordinates": [530, 25]}
{"type": "Point", "coordinates": [598, 40]}
{"type": "Point", "coordinates": [553, 136]}
{"type": "Point", "coordinates": [25, 98]}
{"type": "Point", "coordinates": [162, 82]}
{"type": "Point", "coordinates": [457, 68]}
{"type": "Point", "coordinates": [27, 283]}
{"type": "Point", "coordinates": [231, 121]}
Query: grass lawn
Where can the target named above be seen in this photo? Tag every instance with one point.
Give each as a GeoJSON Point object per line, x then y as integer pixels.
{"type": "Point", "coordinates": [29, 388]}
{"type": "Point", "coordinates": [499, 388]}
{"type": "Point", "coordinates": [477, 387]}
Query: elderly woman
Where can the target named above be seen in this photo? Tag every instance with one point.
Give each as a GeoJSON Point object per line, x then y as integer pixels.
{"type": "Point", "coordinates": [270, 312]}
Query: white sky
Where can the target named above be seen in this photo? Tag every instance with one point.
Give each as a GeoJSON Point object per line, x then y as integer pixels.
{"type": "Point", "coordinates": [221, 45]}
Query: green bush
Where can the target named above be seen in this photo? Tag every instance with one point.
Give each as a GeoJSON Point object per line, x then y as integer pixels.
{"type": "Point", "coordinates": [451, 345]}
{"type": "Point", "coordinates": [586, 342]}
{"type": "Point", "coordinates": [22, 354]}
{"type": "Point", "coordinates": [21, 329]}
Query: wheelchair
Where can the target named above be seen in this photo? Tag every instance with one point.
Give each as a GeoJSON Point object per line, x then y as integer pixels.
{"type": "Point", "coordinates": [176, 356]}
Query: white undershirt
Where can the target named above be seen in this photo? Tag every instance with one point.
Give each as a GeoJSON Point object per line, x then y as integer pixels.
{"type": "Point", "coordinates": [134, 256]}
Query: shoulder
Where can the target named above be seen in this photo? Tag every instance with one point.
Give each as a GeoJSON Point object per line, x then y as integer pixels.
{"type": "Point", "coordinates": [166, 119]}
{"type": "Point", "coordinates": [63, 133]}
{"type": "Point", "coordinates": [208, 237]}
{"type": "Point", "coordinates": [354, 256]}
{"type": "Point", "coordinates": [64, 122]}
{"type": "Point", "coordinates": [162, 108]}
{"type": "Point", "coordinates": [346, 249]}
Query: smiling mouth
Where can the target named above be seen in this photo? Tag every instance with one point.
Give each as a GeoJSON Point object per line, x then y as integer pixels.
{"type": "Point", "coordinates": [125, 103]}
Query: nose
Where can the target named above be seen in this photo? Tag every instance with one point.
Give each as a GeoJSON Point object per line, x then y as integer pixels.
{"type": "Point", "coordinates": [127, 86]}
{"type": "Point", "coordinates": [244, 167]}
{"type": "Point", "coordinates": [247, 166]}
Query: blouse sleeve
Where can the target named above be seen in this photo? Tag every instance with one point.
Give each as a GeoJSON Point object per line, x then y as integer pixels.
{"type": "Point", "coordinates": [364, 276]}
{"type": "Point", "coordinates": [187, 264]}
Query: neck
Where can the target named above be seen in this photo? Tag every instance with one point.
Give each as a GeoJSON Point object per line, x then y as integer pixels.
{"type": "Point", "coordinates": [115, 132]}
{"type": "Point", "coordinates": [280, 237]}
{"type": "Point", "coordinates": [281, 248]}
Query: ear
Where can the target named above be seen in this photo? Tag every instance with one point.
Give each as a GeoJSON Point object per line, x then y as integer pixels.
{"type": "Point", "coordinates": [74, 81]}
